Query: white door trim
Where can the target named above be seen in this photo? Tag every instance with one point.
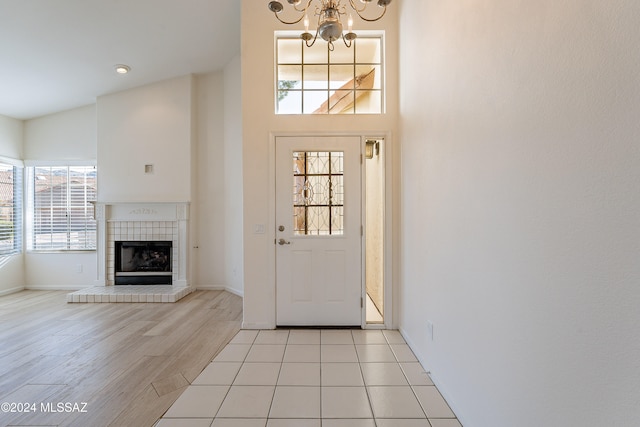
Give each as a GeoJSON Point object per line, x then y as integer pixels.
{"type": "Point", "coordinates": [387, 148]}
{"type": "Point", "coordinates": [390, 261]}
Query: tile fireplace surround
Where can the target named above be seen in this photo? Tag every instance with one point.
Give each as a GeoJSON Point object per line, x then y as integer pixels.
{"type": "Point", "coordinates": [140, 222]}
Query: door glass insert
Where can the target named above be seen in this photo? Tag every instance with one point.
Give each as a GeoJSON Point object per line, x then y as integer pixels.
{"type": "Point", "coordinates": [318, 193]}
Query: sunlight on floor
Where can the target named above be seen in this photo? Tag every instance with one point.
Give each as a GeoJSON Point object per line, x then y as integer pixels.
{"type": "Point", "coordinates": [373, 315]}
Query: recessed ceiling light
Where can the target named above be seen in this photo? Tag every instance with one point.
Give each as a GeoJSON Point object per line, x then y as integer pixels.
{"type": "Point", "coordinates": [122, 69]}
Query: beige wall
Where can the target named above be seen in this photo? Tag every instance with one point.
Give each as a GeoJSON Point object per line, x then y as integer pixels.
{"type": "Point", "coordinates": [67, 135]}
{"type": "Point", "coordinates": [11, 136]}
{"type": "Point", "coordinates": [521, 207]}
{"type": "Point", "coordinates": [206, 209]}
{"type": "Point", "coordinates": [260, 123]}
{"type": "Point", "coordinates": [148, 125]}
{"type": "Point", "coordinates": [233, 177]}
{"type": "Point", "coordinates": [217, 205]}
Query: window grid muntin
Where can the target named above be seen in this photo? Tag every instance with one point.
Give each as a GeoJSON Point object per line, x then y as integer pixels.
{"type": "Point", "coordinates": [353, 109]}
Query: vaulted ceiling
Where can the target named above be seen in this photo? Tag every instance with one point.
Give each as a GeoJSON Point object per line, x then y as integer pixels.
{"type": "Point", "coordinates": [60, 54]}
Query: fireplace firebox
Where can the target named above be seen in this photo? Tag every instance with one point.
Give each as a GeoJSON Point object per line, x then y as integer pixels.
{"type": "Point", "coordinates": [143, 263]}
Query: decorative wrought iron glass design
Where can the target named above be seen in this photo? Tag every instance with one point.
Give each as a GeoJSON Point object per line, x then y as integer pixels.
{"type": "Point", "coordinates": [318, 193]}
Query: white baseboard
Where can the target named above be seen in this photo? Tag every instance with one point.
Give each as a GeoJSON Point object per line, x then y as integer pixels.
{"type": "Point", "coordinates": [246, 325]}
{"type": "Point", "coordinates": [221, 288]}
{"type": "Point", "coordinates": [11, 290]}
{"type": "Point", "coordinates": [56, 288]}
{"type": "Point", "coordinates": [436, 381]}
{"type": "Point", "coordinates": [235, 292]}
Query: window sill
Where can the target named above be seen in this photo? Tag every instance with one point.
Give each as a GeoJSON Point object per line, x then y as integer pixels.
{"type": "Point", "coordinates": [60, 251]}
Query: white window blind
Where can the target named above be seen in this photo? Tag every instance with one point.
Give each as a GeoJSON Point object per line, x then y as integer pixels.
{"type": "Point", "coordinates": [10, 209]}
{"type": "Point", "coordinates": [62, 216]}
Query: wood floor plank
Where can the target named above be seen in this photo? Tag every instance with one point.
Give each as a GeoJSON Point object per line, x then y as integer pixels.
{"type": "Point", "coordinates": [23, 374]}
{"type": "Point", "coordinates": [170, 384]}
{"type": "Point", "coordinates": [147, 406]}
{"type": "Point", "coordinates": [129, 362]}
{"type": "Point", "coordinates": [34, 396]}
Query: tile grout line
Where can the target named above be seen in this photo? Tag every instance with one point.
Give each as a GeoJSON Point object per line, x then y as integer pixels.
{"type": "Point", "coordinates": [289, 344]}
{"type": "Point", "coordinates": [320, 362]}
{"type": "Point", "coordinates": [408, 381]}
{"type": "Point", "coordinates": [275, 387]}
{"type": "Point", "coordinates": [366, 389]}
{"type": "Point", "coordinates": [235, 376]}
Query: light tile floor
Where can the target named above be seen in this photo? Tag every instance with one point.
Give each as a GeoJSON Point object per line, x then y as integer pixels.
{"type": "Point", "coordinates": [312, 378]}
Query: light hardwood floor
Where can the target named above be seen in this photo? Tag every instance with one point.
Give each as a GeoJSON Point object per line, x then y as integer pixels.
{"type": "Point", "coordinates": [128, 362]}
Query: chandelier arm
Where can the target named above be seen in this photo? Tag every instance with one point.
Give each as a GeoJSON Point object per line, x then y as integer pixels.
{"type": "Point", "coordinates": [364, 18]}
{"type": "Point", "coordinates": [354, 7]}
{"type": "Point", "coordinates": [304, 10]}
{"type": "Point", "coordinates": [287, 22]}
{"type": "Point", "coordinates": [313, 42]}
{"type": "Point", "coordinates": [345, 42]}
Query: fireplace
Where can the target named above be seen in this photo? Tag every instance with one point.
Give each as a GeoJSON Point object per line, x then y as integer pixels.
{"type": "Point", "coordinates": [132, 227]}
{"type": "Point", "coordinates": [143, 263]}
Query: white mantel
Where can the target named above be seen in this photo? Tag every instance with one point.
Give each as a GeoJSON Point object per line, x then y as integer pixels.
{"type": "Point", "coordinates": [138, 222]}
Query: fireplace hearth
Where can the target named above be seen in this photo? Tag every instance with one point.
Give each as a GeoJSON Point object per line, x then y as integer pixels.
{"type": "Point", "coordinates": [143, 263]}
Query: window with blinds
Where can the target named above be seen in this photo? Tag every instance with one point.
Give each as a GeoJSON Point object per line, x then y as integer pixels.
{"type": "Point", "coordinates": [62, 212]}
{"type": "Point", "coordinates": [10, 209]}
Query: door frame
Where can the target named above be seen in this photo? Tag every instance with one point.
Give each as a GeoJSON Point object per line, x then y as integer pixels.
{"type": "Point", "coordinates": [389, 262]}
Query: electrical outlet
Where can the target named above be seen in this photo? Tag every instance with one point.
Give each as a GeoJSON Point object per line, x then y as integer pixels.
{"type": "Point", "coordinates": [79, 268]}
{"type": "Point", "coordinates": [430, 329]}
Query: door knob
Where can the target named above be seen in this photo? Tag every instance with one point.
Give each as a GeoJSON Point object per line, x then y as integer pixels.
{"type": "Point", "coordinates": [283, 242]}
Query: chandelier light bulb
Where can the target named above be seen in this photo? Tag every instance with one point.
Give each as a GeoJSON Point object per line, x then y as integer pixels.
{"type": "Point", "coordinates": [350, 23]}
{"type": "Point", "coordinates": [306, 23]}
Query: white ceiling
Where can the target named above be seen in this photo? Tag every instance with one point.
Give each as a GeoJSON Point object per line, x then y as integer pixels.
{"type": "Point", "coordinates": [60, 54]}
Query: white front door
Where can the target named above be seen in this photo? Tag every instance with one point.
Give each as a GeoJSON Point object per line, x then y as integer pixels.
{"type": "Point", "coordinates": [318, 231]}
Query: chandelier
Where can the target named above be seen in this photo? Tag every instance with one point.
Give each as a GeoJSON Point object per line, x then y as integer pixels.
{"type": "Point", "coordinates": [329, 13]}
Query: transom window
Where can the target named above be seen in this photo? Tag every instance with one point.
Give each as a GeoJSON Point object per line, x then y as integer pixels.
{"type": "Point", "coordinates": [315, 80]}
